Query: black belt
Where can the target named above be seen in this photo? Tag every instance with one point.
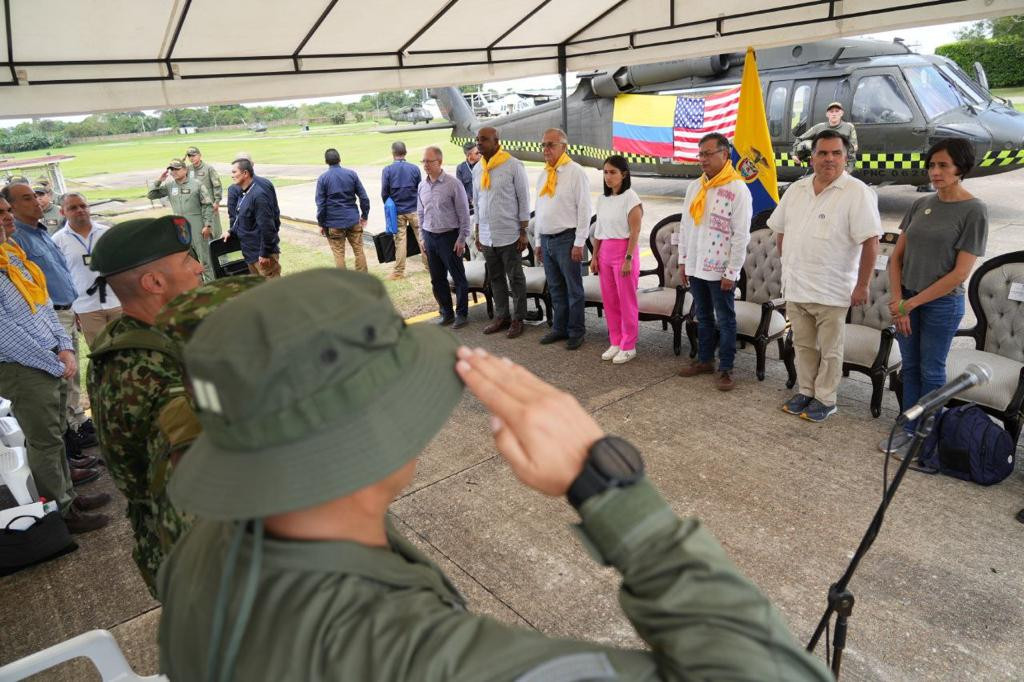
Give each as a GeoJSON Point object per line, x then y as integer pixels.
{"type": "Point", "coordinates": [61, 307]}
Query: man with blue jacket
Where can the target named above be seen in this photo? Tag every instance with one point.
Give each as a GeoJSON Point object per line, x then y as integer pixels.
{"type": "Point", "coordinates": [399, 182]}
{"type": "Point", "coordinates": [257, 222]}
{"type": "Point", "coordinates": [336, 213]}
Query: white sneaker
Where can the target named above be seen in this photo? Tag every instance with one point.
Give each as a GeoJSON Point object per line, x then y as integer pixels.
{"type": "Point", "coordinates": [610, 353]}
{"type": "Point", "coordinates": [624, 356]}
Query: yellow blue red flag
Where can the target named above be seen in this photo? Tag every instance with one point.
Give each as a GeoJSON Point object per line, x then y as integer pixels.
{"type": "Point", "coordinates": [752, 153]}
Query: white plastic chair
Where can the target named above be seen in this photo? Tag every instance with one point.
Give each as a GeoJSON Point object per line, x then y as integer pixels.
{"type": "Point", "coordinates": [99, 646]}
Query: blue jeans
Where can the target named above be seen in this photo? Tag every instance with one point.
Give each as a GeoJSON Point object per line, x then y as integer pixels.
{"type": "Point", "coordinates": [714, 304]}
{"type": "Point", "coordinates": [442, 259]}
{"type": "Point", "coordinates": [565, 283]}
{"type": "Point", "coordinates": [924, 352]}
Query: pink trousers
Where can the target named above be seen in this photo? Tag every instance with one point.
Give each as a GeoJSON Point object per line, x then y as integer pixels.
{"type": "Point", "coordinates": [619, 293]}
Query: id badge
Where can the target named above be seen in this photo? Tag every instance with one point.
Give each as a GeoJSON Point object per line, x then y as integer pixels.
{"type": "Point", "coordinates": [86, 259]}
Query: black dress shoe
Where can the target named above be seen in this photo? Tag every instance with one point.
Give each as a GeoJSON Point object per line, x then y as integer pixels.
{"type": "Point", "coordinates": [85, 462]}
{"type": "Point", "coordinates": [444, 321]}
{"type": "Point", "coordinates": [574, 342]}
{"type": "Point", "coordinates": [460, 322]}
{"type": "Point", "coordinates": [84, 503]}
{"type": "Point", "coordinates": [87, 435]}
{"type": "Point", "coordinates": [72, 443]}
{"type": "Point", "coordinates": [552, 337]}
{"type": "Point", "coordinates": [80, 476]}
{"type": "Point", "coordinates": [77, 522]}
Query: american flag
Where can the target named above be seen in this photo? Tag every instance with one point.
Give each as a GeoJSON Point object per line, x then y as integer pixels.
{"type": "Point", "coordinates": [697, 116]}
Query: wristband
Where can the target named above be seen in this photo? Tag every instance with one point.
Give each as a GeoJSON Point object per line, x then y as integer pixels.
{"type": "Point", "coordinates": [899, 306]}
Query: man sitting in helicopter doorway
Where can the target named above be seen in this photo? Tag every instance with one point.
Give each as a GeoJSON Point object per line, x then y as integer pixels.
{"type": "Point", "coordinates": [834, 114]}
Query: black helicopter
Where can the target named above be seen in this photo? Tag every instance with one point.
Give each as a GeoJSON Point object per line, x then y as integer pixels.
{"type": "Point", "coordinates": [899, 101]}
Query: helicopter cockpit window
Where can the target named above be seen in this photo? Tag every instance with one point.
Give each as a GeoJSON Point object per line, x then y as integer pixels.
{"type": "Point", "coordinates": [800, 116]}
{"type": "Point", "coordinates": [935, 93]}
{"type": "Point", "coordinates": [878, 100]}
{"type": "Point", "coordinates": [968, 90]}
{"type": "Point", "coordinates": [777, 109]}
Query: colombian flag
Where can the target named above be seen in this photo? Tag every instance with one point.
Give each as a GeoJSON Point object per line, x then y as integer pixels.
{"type": "Point", "coordinates": [752, 152]}
{"type": "Point", "coordinates": [642, 124]}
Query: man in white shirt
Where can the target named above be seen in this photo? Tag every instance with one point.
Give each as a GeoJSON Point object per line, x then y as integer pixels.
{"type": "Point", "coordinates": [75, 240]}
{"type": "Point", "coordinates": [714, 231]}
{"type": "Point", "coordinates": [830, 226]}
{"type": "Point", "coordinates": [561, 228]}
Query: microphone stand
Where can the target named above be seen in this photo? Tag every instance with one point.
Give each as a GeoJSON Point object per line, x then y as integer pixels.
{"type": "Point", "coordinates": [840, 599]}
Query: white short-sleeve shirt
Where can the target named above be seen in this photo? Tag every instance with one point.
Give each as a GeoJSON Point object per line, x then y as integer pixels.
{"type": "Point", "coordinates": [77, 254]}
{"type": "Point", "coordinates": [613, 215]}
{"type": "Point", "coordinates": [823, 236]}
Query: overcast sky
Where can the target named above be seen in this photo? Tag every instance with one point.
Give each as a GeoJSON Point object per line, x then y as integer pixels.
{"type": "Point", "coordinates": [922, 40]}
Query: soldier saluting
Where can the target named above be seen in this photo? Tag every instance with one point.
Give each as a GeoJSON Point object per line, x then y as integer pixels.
{"type": "Point", "coordinates": [192, 200]}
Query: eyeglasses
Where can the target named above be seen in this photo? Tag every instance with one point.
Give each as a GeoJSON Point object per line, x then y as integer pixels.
{"type": "Point", "coordinates": [549, 145]}
{"type": "Point", "coordinates": [425, 161]}
{"type": "Point", "coordinates": [708, 155]}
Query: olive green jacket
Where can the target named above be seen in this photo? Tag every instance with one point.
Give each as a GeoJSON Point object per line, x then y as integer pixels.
{"type": "Point", "coordinates": [189, 199]}
{"type": "Point", "coordinates": [344, 611]}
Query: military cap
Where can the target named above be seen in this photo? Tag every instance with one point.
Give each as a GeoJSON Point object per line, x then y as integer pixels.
{"type": "Point", "coordinates": [136, 242]}
{"type": "Point", "coordinates": [179, 318]}
{"type": "Point", "coordinates": [834, 105]}
{"type": "Point", "coordinates": [39, 189]}
{"type": "Point", "coordinates": [309, 387]}
{"type": "Point", "coordinates": [191, 150]}
{"type": "Point", "coordinates": [176, 164]}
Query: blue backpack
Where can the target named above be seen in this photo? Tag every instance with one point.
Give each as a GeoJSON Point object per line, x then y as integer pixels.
{"type": "Point", "coordinates": [966, 444]}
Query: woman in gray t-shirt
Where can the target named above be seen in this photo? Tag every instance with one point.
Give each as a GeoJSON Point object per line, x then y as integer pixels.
{"type": "Point", "coordinates": [941, 237]}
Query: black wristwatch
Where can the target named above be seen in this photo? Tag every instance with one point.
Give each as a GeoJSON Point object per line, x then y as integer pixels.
{"type": "Point", "coordinates": [629, 256]}
{"type": "Point", "coordinates": [612, 462]}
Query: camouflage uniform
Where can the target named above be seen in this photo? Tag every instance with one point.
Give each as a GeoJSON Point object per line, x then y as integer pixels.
{"type": "Point", "coordinates": [139, 397]}
{"type": "Point", "coordinates": [142, 417]}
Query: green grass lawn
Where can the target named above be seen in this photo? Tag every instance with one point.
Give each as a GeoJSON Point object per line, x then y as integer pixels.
{"type": "Point", "coordinates": [358, 143]}
{"type": "Point", "coordinates": [1015, 95]}
{"type": "Point", "coordinates": [129, 193]}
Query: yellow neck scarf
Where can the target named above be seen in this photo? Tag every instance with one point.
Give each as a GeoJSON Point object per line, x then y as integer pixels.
{"type": "Point", "coordinates": [33, 288]}
{"type": "Point", "coordinates": [549, 185]}
{"type": "Point", "coordinates": [725, 176]}
{"type": "Point", "coordinates": [490, 164]}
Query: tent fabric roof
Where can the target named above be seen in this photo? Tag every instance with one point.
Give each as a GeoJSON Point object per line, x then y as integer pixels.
{"type": "Point", "coordinates": [72, 57]}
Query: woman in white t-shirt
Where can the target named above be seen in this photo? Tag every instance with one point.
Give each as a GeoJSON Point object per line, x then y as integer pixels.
{"type": "Point", "coordinates": [616, 258]}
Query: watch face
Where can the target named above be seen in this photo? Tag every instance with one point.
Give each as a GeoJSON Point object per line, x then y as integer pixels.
{"type": "Point", "coordinates": [617, 459]}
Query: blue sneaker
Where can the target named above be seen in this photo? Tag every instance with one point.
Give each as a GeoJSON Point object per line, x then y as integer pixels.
{"type": "Point", "coordinates": [797, 404]}
{"type": "Point", "coordinates": [818, 411]}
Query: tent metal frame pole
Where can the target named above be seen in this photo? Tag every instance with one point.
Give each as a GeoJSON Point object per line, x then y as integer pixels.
{"type": "Point", "coordinates": [565, 102]}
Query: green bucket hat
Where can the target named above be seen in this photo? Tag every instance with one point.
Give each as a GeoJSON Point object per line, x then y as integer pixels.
{"type": "Point", "coordinates": [309, 387]}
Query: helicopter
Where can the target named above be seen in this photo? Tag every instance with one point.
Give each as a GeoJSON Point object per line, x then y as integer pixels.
{"type": "Point", "coordinates": [900, 102]}
{"type": "Point", "coordinates": [413, 114]}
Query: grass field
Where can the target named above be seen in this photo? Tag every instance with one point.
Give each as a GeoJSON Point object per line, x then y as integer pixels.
{"type": "Point", "coordinates": [1015, 95]}
{"type": "Point", "coordinates": [358, 143]}
{"type": "Point", "coordinates": [95, 195]}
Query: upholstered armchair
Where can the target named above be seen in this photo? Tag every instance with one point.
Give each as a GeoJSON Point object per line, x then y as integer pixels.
{"type": "Point", "coordinates": [998, 339]}
{"type": "Point", "coordinates": [476, 276]}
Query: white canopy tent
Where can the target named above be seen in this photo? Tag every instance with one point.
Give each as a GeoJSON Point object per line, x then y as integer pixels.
{"type": "Point", "coordinates": [81, 56]}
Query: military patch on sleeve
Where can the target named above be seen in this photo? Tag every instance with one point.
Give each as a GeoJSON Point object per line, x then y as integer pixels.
{"type": "Point", "coordinates": [572, 668]}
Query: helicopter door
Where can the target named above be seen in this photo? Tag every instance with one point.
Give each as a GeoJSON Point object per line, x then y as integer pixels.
{"type": "Point", "coordinates": [777, 110]}
{"type": "Point", "coordinates": [890, 127]}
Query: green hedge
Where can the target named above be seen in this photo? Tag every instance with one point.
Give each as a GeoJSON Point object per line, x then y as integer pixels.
{"type": "Point", "coordinates": [1003, 59]}
{"type": "Point", "coordinates": [28, 141]}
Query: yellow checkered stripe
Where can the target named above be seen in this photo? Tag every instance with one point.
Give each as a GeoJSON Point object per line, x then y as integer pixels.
{"type": "Point", "coordinates": [891, 161]}
{"type": "Point", "coordinates": [787, 160]}
{"type": "Point", "coordinates": [1007, 157]}
{"type": "Point", "coordinates": [575, 150]}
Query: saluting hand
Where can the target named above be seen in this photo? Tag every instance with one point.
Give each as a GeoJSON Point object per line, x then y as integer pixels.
{"type": "Point", "coordinates": [541, 432]}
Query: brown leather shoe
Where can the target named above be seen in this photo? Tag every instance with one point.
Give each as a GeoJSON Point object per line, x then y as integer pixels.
{"type": "Point", "coordinates": [83, 462]}
{"type": "Point", "coordinates": [498, 325]}
{"type": "Point", "coordinates": [84, 503]}
{"type": "Point", "coordinates": [396, 275]}
{"type": "Point", "coordinates": [80, 476]}
{"type": "Point", "coordinates": [725, 382]}
{"type": "Point", "coordinates": [515, 329]}
{"type": "Point", "coordinates": [77, 522]}
{"type": "Point", "coordinates": [695, 368]}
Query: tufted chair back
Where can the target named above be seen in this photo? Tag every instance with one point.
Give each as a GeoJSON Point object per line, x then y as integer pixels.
{"type": "Point", "coordinates": [666, 250]}
{"type": "Point", "coordinates": [762, 271]}
{"type": "Point", "coordinates": [1000, 327]}
{"type": "Point", "coordinates": [875, 313]}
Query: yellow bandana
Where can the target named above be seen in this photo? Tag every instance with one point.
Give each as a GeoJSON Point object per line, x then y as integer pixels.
{"type": "Point", "coordinates": [33, 288]}
{"type": "Point", "coordinates": [725, 176]}
{"type": "Point", "coordinates": [549, 185]}
{"type": "Point", "coordinates": [499, 158]}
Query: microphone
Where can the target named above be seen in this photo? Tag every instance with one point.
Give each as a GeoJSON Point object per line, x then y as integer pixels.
{"type": "Point", "coordinates": [974, 375]}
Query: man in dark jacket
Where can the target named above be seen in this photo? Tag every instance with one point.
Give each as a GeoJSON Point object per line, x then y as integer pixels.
{"type": "Point", "coordinates": [337, 189]}
{"type": "Point", "coordinates": [234, 192]}
{"type": "Point", "coordinates": [256, 223]}
{"type": "Point", "coordinates": [399, 182]}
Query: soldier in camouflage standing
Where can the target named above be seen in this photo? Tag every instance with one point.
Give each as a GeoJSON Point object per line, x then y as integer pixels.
{"type": "Point", "coordinates": [52, 217]}
{"type": "Point", "coordinates": [192, 200]}
{"type": "Point", "coordinates": [143, 417]}
{"type": "Point", "coordinates": [205, 174]}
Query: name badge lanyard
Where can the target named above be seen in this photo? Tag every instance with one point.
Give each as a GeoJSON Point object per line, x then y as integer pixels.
{"type": "Point", "coordinates": [87, 256]}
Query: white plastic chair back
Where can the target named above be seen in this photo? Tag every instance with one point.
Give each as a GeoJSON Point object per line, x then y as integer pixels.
{"type": "Point", "coordinates": [99, 646]}
{"type": "Point", "coordinates": [11, 433]}
{"type": "Point", "coordinates": [16, 475]}
{"type": "Point", "coordinates": [5, 407]}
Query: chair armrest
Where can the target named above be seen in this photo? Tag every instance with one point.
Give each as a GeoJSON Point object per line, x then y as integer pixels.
{"type": "Point", "coordinates": [677, 307]}
{"type": "Point", "coordinates": [652, 271]}
{"type": "Point", "coordinates": [777, 303]}
{"type": "Point", "coordinates": [884, 347]}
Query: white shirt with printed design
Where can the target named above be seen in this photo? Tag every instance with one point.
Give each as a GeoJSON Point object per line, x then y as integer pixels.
{"type": "Point", "coordinates": [717, 246]}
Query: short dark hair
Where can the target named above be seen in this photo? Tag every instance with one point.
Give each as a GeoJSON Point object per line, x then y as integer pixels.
{"type": "Point", "coordinates": [721, 139]}
{"type": "Point", "coordinates": [959, 149]}
{"type": "Point", "coordinates": [398, 149]}
{"type": "Point", "coordinates": [828, 134]}
{"type": "Point", "coordinates": [332, 157]}
{"type": "Point", "coordinates": [6, 191]}
{"type": "Point", "coordinates": [245, 165]}
{"type": "Point", "coordinates": [617, 161]}
{"type": "Point", "coordinates": [467, 146]}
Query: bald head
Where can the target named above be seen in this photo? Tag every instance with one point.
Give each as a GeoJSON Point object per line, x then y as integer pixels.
{"type": "Point", "coordinates": [487, 141]}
